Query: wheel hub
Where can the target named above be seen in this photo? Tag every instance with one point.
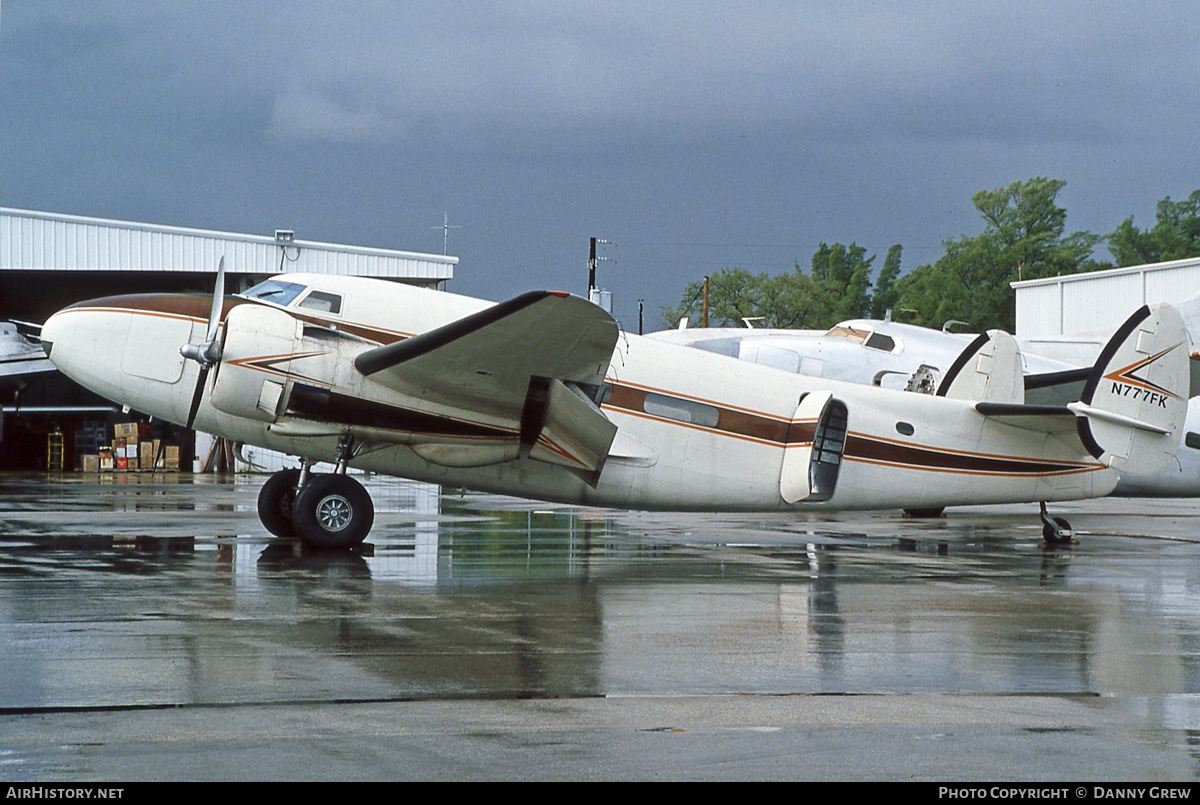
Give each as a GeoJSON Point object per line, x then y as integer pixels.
{"type": "Point", "coordinates": [334, 512]}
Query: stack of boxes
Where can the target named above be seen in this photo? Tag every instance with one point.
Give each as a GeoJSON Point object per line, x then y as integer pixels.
{"type": "Point", "coordinates": [128, 453]}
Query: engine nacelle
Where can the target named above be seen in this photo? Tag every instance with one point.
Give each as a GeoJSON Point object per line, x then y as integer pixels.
{"type": "Point", "coordinates": [254, 375]}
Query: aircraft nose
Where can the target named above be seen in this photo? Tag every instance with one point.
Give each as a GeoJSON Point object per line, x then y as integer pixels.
{"type": "Point", "coordinates": [52, 331]}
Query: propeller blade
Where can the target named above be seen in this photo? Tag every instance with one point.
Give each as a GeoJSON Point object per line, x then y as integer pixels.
{"type": "Point", "coordinates": [208, 353]}
{"type": "Point", "coordinates": [199, 394]}
{"type": "Point", "coordinates": [214, 314]}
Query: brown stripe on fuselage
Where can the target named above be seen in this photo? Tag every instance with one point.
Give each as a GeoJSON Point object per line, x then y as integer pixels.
{"type": "Point", "coordinates": [883, 451]}
{"type": "Point", "coordinates": [743, 424]}
{"type": "Point", "coordinates": [198, 306]}
{"type": "Point", "coordinates": [731, 421]}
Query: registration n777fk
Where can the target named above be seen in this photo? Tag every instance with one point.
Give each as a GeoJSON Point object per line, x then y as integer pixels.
{"type": "Point", "coordinates": [544, 397]}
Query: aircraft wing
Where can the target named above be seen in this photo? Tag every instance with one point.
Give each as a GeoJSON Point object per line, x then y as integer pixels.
{"type": "Point", "coordinates": [18, 367]}
{"type": "Point", "coordinates": [490, 356]}
{"type": "Point", "coordinates": [532, 366]}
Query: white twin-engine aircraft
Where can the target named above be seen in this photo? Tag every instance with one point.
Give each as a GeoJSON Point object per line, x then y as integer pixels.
{"type": "Point", "coordinates": [544, 397]}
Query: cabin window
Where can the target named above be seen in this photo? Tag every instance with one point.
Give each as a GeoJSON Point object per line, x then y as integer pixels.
{"type": "Point", "coordinates": [681, 410]}
{"type": "Point", "coordinates": [1192, 440]}
{"type": "Point", "coordinates": [905, 428]}
{"type": "Point", "coordinates": [275, 291]}
{"type": "Point", "coordinates": [323, 302]}
{"type": "Point", "coordinates": [880, 341]}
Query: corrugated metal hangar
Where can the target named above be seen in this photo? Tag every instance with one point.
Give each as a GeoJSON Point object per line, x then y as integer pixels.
{"type": "Point", "coordinates": [1099, 301]}
{"type": "Point", "coordinates": [48, 261]}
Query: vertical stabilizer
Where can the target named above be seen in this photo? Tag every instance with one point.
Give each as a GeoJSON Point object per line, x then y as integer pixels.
{"type": "Point", "coordinates": [1134, 402]}
{"type": "Point", "coordinates": [988, 370]}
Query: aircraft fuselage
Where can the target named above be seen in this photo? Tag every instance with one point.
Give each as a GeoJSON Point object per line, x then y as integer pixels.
{"type": "Point", "coordinates": [695, 431]}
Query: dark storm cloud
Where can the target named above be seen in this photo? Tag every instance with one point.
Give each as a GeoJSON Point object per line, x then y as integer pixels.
{"type": "Point", "coordinates": [755, 129]}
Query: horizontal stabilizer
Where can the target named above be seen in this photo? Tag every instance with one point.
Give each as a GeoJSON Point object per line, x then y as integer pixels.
{"type": "Point", "coordinates": [1134, 402]}
{"type": "Point", "coordinates": [1039, 418]}
{"type": "Point", "coordinates": [989, 369]}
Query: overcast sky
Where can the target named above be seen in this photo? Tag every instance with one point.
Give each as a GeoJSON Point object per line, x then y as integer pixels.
{"type": "Point", "coordinates": [694, 135]}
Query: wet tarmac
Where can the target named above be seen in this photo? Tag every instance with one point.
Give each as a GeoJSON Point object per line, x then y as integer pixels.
{"type": "Point", "coordinates": [150, 629]}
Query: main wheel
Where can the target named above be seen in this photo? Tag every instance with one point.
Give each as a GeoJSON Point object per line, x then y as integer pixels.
{"type": "Point", "coordinates": [333, 511]}
{"type": "Point", "coordinates": [275, 501]}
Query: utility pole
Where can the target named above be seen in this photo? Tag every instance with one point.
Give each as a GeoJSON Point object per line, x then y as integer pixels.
{"type": "Point", "coordinates": [591, 266]}
{"type": "Point", "coordinates": [593, 260]}
{"type": "Point", "coordinates": [704, 323]}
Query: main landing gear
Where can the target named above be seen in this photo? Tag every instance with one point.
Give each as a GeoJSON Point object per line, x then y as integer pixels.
{"type": "Point", "coordinates": [1056, 530]}
{"type": "Point", "coordinates": [329, 511]}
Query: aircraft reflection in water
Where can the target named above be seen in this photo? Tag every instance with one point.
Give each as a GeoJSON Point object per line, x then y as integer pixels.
{"type": "Point", "coordinates": [523, 602]}
{"type": "Point", "coordinates": [542, 397]}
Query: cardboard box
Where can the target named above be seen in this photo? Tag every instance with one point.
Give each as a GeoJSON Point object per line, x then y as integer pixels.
{"type": "Point", "coordinates": [171, 459]}
{"type": "Point", "coordinates": [106, 459]}
{"type": "Point", "coordinates": [90, 463]}
{"type": "Point", "coordinates": [122, 463]}
{"type": "Point", "coordinates": [125, 430]}
{"type": "Point", "coordinates": [146, 455]}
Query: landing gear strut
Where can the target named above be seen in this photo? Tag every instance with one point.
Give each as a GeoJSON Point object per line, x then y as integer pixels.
{"type": "Point", "coordinates": [1055, 530]}
{"type": "Point", "coordinates": [328, 511]}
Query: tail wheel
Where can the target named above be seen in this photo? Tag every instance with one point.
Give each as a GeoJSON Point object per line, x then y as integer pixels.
{"type": "Point", "coordinates": [275, 501]}
{"type": "Point", "coordinates": [333, 511]}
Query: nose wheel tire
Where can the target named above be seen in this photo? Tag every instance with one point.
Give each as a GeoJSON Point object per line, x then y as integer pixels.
{"type": "Point", "coordinates": [333, 511]}
{"type": "Point", "coordinates": [275, 501]}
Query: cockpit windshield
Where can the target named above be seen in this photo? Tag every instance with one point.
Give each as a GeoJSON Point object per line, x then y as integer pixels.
{"type": "Point", "coordinates": [842, 331]}
{"type": "Point", "coordinates": [274, 291]}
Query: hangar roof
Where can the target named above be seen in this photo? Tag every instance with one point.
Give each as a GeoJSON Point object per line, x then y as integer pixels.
{"type": "Point", "coordinates": [39, 241]}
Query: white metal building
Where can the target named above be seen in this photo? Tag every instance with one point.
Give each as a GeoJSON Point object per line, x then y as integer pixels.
{"type": "Point", "coordinates": [1099, 301]}
{"type": "Point", "coordinates": [48, 261]}
{"type": "Point", "coordinates": [46, 242]}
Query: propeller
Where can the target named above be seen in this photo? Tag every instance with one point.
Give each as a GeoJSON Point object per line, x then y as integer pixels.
{"type": "Point", "coordinates": [208, 353]}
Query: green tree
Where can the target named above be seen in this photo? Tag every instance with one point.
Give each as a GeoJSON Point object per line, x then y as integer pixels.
{"type": "Point", "coordinates": [789, 300]}
{"type": "Point", "coordinates": [846, 269]}
{"type": "Point", "coordinates": [837, 288]}
{"type": "Point", "coordinates": [1023, 238]}
{"type": "Point", "coordinates": [884, 298]}
{"type": "Point", "coordinates": [1174, 236]}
